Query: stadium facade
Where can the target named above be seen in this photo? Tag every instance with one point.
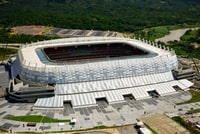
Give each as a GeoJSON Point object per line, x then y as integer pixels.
{"type": "Point", "coordinates": [83, 70]}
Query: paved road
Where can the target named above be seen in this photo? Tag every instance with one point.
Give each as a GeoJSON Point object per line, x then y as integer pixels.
{"type": "Point", "coordinates": [174, 35]}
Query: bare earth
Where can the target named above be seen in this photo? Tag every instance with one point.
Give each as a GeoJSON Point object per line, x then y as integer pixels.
{"type": "Point", "coordinates": [31, 30]}
{"type": "Point", "coordinates": [196, 45]}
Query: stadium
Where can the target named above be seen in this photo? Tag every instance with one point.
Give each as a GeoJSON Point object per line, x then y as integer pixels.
{"type": "Point", "coordinates": [81, 71]}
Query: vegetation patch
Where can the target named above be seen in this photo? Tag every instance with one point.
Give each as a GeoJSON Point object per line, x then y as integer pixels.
{"type": "Point", "coordinates": [191, 36]}
{"type": "Point", "coordinates": [160, 31]}
{"type": "Point", "coordinates": [154, 33]}
{"type": "Point", "coordinates": [100, 127]}
{"type": "Point", "coordinates": [114, 15]}
{"type": "Point", "coordinates": [185, 46]}
{"type": "Point", "coordinates": [36, 119]}
{"type": "Point", "coordinates": [3, 130]}
{"type": "Point", "coordinates": [3, 2]}
{"type": "Point", "coordinates": [6, 52]}
{"type": "Point", "coordinates": [194, 110]}
{"type": "Point", "coordinates": [185, 125]}
{"type": "Point", "coordinates": [195, 97]}
{"type": "Point", "coordinates": [6, 37]}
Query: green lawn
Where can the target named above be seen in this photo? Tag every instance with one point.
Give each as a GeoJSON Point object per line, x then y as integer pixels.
{"type": "Point", "coordinates": [185, 125]}
{"type": "Point", "coordinates": [195, 97]}
{"type": "Point", "coordinates": [36, 118]}
{"type": "Point", "coordinates": [158, 32]}
{"type": "Point", "coordinates": [154, 32]}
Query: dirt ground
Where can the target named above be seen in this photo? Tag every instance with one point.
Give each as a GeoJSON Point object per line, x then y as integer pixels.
{"type": "Point", "coordinates": [196, 45]}
{"type": "Point", "coordinates": [163, 125]}
{"type": "Point", "coordinates": [31, 30]}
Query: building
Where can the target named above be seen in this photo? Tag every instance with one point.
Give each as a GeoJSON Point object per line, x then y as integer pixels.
{"type": "Point", "coordinates": [81, 71]}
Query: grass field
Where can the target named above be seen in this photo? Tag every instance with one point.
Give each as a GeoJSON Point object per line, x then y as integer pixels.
{"type": "Point", "coordinates": [36, 119]}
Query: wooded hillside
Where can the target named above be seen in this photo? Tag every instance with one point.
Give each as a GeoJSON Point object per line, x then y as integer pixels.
{"type": "Point", "coordinates": [117, 15]}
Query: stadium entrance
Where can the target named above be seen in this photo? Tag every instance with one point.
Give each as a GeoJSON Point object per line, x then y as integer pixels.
{"type": "Point", "coordinates": [129, 97]}
{"type": "Point", "coordinates": [153, 94]}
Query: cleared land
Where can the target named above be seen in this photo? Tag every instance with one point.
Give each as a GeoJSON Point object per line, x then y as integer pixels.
{"type": "Point", "coordinates": [31, 30]}
{"type": "Point", "coordinates": [60, 32]}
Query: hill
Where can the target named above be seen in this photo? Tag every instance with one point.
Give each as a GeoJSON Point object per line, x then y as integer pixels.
{"type": "Point", "coordinates": [117, 15]}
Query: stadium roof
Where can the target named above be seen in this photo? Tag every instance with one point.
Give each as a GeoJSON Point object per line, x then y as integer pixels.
{"type": "Point", "coordinates": [33, 57]}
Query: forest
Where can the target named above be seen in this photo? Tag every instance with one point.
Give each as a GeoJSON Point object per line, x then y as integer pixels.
{"type": "Point", "coordinates": [116, 15]}
{"type": "Point", "coordinates": [129, 16]}
{"type": "Point", "coordinates": [6, 37]}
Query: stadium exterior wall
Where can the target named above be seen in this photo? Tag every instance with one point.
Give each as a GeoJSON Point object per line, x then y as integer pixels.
{"type": "Point", "coordinates": [90, 71]}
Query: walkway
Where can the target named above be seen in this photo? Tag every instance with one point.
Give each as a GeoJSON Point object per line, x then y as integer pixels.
{"type": "Point", "coordinates": [103, 114]}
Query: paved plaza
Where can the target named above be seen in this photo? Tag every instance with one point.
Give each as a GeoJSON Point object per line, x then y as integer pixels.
{"type": "Point", "coordinates": [87, 117]}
